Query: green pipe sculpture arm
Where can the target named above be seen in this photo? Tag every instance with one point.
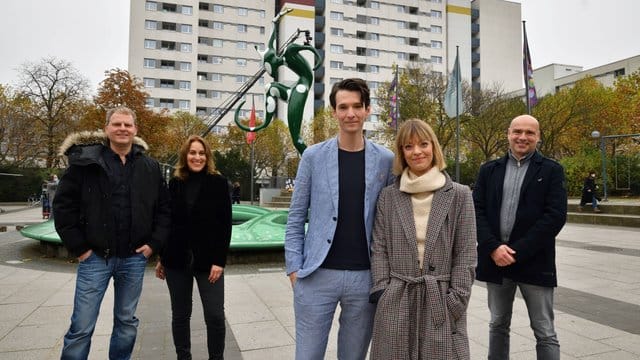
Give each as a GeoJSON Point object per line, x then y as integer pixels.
{"type": "Point", "coordinates": [296, 95]}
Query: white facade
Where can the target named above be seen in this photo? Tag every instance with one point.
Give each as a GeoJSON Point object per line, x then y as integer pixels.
{"type": "Point", "coordinates": [195, 55]}
{"type": "Point", "coordinates": [497, 44]}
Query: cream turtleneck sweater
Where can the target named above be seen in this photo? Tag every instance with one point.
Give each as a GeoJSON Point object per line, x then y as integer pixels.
{"type": "Point", "coordinates": [421, 189]}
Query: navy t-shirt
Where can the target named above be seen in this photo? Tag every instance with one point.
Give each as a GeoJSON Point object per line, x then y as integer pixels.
{"type": "Point", "coordinates": [349, 250]}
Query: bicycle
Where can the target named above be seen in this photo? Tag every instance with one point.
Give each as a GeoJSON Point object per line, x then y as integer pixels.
{"type": "Point", "coordinates": [33, 200]}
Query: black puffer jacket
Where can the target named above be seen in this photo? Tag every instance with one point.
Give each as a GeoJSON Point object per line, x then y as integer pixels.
{"type": "Point", "coordinates": [82, 206]}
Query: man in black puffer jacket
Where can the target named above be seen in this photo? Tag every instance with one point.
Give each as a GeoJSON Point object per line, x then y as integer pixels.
{"type": "Point", "coordinates": [112, 212]}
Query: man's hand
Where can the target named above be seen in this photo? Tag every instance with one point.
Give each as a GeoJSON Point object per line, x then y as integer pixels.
{"type": "Point", "coordinates": [146, 250]}
{"type": "Point", "coordinates": [160, 271]}
{"type": "Point", "coordinates": [215, 273]}
{"type": "Point", "coordinates": [84, 256]}
{"type": "Point", "coordinates": [503, 256]}
{"type": "Point", "coordinates": [293, 277]}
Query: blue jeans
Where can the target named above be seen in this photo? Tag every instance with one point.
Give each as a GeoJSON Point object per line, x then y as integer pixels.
{"type": "Point", "coordinates": [315, 299]}
{"type": "Point", "coordinates": [92, 280]}
{"type": "Point", "coordinates": [539, 301]}
{"type": "Point", "coordinates": [180, 283]}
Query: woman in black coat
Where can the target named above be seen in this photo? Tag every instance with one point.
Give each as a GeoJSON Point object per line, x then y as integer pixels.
{"type": "Point", "coordinates": [198, 245]}
{"type": "Point", "coordinates": [589, 194]}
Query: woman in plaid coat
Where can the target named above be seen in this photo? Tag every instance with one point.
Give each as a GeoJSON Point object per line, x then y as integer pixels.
{"type": "Point", "coordinates": [423, 255]}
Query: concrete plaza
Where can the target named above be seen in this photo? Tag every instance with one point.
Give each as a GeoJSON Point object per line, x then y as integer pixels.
{"type": "Point", "coordinates": [597, 302]}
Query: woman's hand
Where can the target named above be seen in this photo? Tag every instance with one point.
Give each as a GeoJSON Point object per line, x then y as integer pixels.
{"type": "Point", "coordinates": [160, 271]}
{"type": "Point", "coordinates": [215, 273]}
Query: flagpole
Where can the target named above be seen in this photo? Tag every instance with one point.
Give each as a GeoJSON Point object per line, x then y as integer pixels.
{"type": "Point", "coordinates": [397, 99]}
{"type": "Point", "coordinates": [457, 120]}
{"type": "Point", "coordinates": [525, 67]}
{"type": "Point", "coordinates": [253, 142]}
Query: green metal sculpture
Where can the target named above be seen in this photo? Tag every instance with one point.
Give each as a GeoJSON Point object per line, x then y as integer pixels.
{"type": "Point", "coordinates": [296, 94]}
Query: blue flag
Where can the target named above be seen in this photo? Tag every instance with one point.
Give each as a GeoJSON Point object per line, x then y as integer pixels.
{"type": "Point", "coordinates": [532, 98]}
{"type": "Point", "coordinates": [453, 95]}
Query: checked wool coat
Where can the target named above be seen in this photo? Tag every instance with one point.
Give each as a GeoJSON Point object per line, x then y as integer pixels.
{"type": "Point", "coordinates": [422, 313]}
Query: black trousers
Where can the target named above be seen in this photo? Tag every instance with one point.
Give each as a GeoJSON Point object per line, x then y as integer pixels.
{"type": "Point", "coordinates": [180, 283]}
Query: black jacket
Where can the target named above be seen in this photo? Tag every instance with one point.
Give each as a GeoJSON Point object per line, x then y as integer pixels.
{"type": "Point", "coordinates": [82, 205]}
{"type": "Point", "coordinates": [541, 214]}
{"type": "Point", "coordinates": [200, 236]}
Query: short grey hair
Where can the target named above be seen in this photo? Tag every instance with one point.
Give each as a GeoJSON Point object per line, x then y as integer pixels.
{"type": "Point", "coordinates": [120, 110]}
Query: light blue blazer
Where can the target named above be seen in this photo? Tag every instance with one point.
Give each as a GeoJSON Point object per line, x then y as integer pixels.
{"type": "Point", "coordinates": [316, 192]}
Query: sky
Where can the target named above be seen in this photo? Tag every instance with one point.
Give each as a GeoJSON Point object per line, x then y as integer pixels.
{"type": "Point", "coordinates": [94, 34]}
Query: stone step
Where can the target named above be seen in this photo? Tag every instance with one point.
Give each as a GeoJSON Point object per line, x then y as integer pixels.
{"type": "Point", "coordinates": [615, 209]}
{"type": "Point", "coordinates": [277, 204]}
{"type": "Point", "coordinates": [603, 219]}
{"type": "Point", "coordinates": [281, 198]}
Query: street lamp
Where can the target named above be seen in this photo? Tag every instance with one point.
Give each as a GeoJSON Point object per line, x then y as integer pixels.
{"type": "Point", "coordinates": [603, 156]}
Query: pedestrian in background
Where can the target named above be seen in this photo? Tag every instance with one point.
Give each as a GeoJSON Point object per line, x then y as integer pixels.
{"type": "Point", "coordinates": [589, 193]}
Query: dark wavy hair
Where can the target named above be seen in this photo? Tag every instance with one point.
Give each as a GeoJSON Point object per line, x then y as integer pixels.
{"type": "Point", "coordinates": [182, 168]}
{"type": "Point", "coordinates": [352, 84]}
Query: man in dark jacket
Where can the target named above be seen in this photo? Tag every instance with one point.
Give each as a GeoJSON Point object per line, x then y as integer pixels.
{"type": "Point", "coordinates": [521, 205]}
{"type": "Point", "coordinates": [112, 212]}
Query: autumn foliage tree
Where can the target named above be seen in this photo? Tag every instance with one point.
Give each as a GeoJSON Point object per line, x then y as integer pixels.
{"type": "Point", "coordinates": [121, 88]}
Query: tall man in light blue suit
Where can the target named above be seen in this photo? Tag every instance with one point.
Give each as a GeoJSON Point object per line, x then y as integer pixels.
{"type": "Point", "coordinates": [337, 186]}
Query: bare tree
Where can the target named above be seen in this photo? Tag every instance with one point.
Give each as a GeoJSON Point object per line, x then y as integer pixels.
{"type": "Point", "coordinates": [54, 88]}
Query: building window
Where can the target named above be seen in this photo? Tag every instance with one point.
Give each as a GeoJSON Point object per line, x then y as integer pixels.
{"type": "Point", "coordinates": [241, 62]}
{"type": "Point", "coordinates": [187, 10]}
{"type": "Point", "coordinates": [217, 43]}
{"type": "Point", "coordinates": [167, 45]}
{"type": "Point", "coordinates": [151, 6]}
{"type": "Point", "coordinates": [400, 9]}
{"type": "Point", "coordinates": [185, 47]}
{"type": "Point", "coordinates": [242, 45]}
{"type": "Point", "coordinates": [374, 69]}
{"type": "Point", "coordinates": [436, 44]}
{"type": "Point", "coordinates": [242, 28]}
{"type": "Point", "coordinates": [373, 52]}
{"type": "Point", "coordinates": [374, 118]}
{"type": "Point", "coordinates": [202, 76]}
{"type": "Point", "coordinates": [216, 60]}
{"type": "Point", "coordinates": [374, 5]}
{"type": "Point", "coordinates": [334, 80]}
{"type": "Point", "coordinates": [185, 85]}
{"type": "Point", "coordinates": [216, 77]}
{"type": "Point", "coordinates": [334, 15]}
{"type": "Point", "coordinates": [336, 64]}
{"type": "Point", "coordinates": [243, 12]}
{"type": "Point", "coordinates": [215, 94]}
{"type": "Point", "coordinates": [402, 56]}
{"type": "Point", "coordinates": [149, 83]}
{"type": "Point", "coordinates": [241, 79]}
{"type": "Point", "coordinates": [337, 49]}
{"type": "Point", "coordinates": [436, 14]}
{"type": "Point", "coordinates": [169, 26]}
{"type": "Point", "coordinates": [436, 29]}
{"type": "Point", "coordinates": [373, 85]}
{"type": "Point", "coordinates": [436, 59]}
{"type": "Point", "coordinates": [169, 7]}
{"type": "Point", "coordinates": [337, 32]}
{"type": "Point", "coordinates": [401, 25]}
{"type": "Point", "coordinates": [167, 64]}
{"type": "Point", "coordinates": [218, 25]}
{"type": "Point", "coordinates": [167, 84]}
{"type": "Point", "coordinates": [336, 1]}
{"type": "Point", "coordinates": [186, 28]}
{"type": "Point", "coordinates": [184, 104]}
{"type": "Point", "coordinates": [185, 66]}
{"type": "Point", "coordinates": [149, 102]}
{"type": "Point", "coordinates": [218, 9]}
{"type": "Point", "coordinates": [619, 72]}
{"type": "Point", "coordinates": [374, 21]}
{"type": "Point", "coordinates": [166, 103]}
{"type": "Point", "coordinates": [150, 63]}
{"type": "Point", "coordinates": [150, 44]}
{"type": "Point", "coordinates": [401, 40]}
{"type": "Point", "coordinates": [263, 13]}
{"type": "Point", "coordinates": [374, 37]}
{"type": "Point", "coordinates": [150, 25]}
{"type": "Point", "coordinates": [201, 93]}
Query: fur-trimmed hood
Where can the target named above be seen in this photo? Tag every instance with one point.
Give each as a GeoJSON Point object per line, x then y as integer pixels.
{"type": "Point", "coordinates": [86, 138]}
